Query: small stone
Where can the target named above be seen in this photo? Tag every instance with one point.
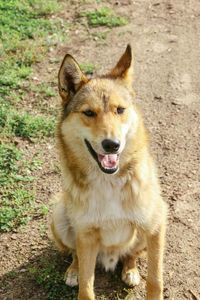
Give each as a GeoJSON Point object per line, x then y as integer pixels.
{"type": "Point", "coordinates": [22, 270]}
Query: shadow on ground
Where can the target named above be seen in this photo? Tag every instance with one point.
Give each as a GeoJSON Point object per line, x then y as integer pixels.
{"type": "Point", "coordinates": [42, 278]}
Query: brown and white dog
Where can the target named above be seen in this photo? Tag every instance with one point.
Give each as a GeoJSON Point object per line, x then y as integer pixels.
{"type": "Point", "coordinates": [111, 207]}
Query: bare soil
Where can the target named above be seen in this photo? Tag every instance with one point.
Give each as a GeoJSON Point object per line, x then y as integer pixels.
{"type": "Point", "coordinates": [165, 36]}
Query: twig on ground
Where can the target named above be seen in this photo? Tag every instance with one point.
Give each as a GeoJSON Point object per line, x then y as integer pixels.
{"type": "Point", "coordinates": [194, 295]}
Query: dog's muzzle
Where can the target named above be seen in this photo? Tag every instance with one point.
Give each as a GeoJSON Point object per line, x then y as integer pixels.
{"type": "Point", "coordinates": [109, 162]}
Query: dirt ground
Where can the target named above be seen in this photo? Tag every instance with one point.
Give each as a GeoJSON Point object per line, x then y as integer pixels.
{"type": "Point", "coordinates": [165, 36]}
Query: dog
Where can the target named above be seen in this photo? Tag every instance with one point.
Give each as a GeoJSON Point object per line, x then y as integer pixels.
{"type": "Point", "coordinates": [111, 207]}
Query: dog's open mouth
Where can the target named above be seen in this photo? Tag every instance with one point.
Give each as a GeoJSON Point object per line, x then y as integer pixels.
{"type": "Point", "coordinates": [108, 163]}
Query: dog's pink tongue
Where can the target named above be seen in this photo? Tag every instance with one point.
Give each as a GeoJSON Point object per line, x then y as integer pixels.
{"type": "Point", "coordinates": [108, 160]}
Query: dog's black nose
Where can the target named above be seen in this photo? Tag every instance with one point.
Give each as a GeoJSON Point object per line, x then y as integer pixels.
{"type": "Point", "coordinates": [111, 145]}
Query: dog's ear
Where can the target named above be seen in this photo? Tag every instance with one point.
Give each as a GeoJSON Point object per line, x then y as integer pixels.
{"type": "Point", "coordinates": [70, 77]}
{"type": "Point", "coordinates": [124, 67]}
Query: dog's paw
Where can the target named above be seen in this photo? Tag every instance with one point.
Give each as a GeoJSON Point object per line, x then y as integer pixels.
{"type": "Point", "coordinates": [131, 277]}
{"type": "Point", "coordinates": [71, 278]}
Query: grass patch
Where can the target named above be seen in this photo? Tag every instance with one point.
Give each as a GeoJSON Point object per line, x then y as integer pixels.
{"type": "Point", "coordinates": [48, 274]}
{"type": "Point", "coordinates": [22, 124]}
{"type": "Point", "coordinates": [16, 200]}
{"type": "Point", "coordinates": [88, 68]}
{"type": "Point", "coordinates": [98, 36]}
{"type": "Point", "coordinates": [44, 90]}
{"type": "Point", "coordinates": [125, 32]}
{"type": "Point", "coordinates": [23, 29]}
{"type": "Point", "coordinates": [103, 17]}
{"type": "Point", "coordinates": [15, 207]}
{"type": "Point", "coordinates": [26, 32]}
{"type": "Point", "coordinates": [43, 97]}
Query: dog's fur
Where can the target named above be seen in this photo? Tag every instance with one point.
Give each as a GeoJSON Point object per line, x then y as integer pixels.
{"type": "Point", "coordinates": [111, 208]}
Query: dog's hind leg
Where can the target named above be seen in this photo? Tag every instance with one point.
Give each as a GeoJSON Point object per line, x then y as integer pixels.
{"type": "Point", "coordinates": [71, 275]}
{"type": "Point", "coordinates": [130, 274]}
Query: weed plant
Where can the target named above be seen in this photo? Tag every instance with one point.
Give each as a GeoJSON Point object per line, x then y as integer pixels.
{"type": "Point", "coordinates": [103, 17]}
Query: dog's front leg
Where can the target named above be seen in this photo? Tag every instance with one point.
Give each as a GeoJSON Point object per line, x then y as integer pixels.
{"type": "Point", "coordinates": [87, 246]}
{"type": "Point", "coordinates": [155, 246]}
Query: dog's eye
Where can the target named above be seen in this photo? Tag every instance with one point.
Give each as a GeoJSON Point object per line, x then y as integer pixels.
{"type": "Point", "coordinates": [89, 113]}
{"type": "Point", "coordinates": [120, 110]}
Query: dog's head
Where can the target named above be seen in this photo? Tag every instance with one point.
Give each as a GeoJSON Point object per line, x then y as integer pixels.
{"type": "Point", "coordinates": [98, 114]}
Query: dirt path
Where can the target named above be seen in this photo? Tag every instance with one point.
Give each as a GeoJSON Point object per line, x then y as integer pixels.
{"type": "Point", "coordinates": [166, 40]}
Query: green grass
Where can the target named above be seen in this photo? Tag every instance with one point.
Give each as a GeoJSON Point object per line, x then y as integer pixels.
{"type": "Point", "coordinates": [43, 94]}
{"type": "Point", "coordinates": [125, 32]}
{"type": "Point", "coordinates": [89, 68]}
{"type": "Point", "coordinates": [16, 208]}
{"type": "Point", "coordinates": [98, 36]}
{"type": "Point", "coordinates": [44, 90]}
{"type": "Point", "coordinates": [26, 32]}
{"type": "Point", "coordinates": [25, 125]}
{"type": "Point", "coordinates": [23, 28]}
{"type": "Point", "coordinates": [103, 17]}
{"type": "Point", "coordinates": [16, 200]}
{"type": "Point", "coordinates": [49, 274]}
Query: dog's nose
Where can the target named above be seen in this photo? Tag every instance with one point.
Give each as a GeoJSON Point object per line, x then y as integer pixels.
{"type": "Point", "coordinates": [111, 145]}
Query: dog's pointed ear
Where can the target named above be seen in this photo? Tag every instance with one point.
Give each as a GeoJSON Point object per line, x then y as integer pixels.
{"type": "Point", "coordinates": [70, 77]}
{"type": "Point", "coordinates": [124, 67]}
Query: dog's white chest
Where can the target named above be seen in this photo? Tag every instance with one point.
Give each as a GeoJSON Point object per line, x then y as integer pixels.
{"type": "Point", "coordinates": [104, 209]}
{"type": "Point", "coordinates": [104, 204]}
{"type": "Point", "coordinates": [104, 201]}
